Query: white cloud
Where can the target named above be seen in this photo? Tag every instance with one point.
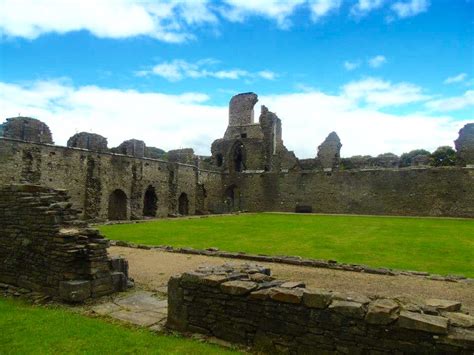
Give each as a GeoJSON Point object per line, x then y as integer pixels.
{"type": "Point", "coordinates": [266, 74]}
{"type": "Point", "coordinates": [307, 119]}
{"type": "Point", "coordinates": [278, 10]}
{"type": "Point", "coordinates": [351, 65]}
{"type": "Point", "coordinates": [453, 103]}
{"type": "Point", "coordinates": [379, 93]}
{"type": "Point", "coordinates": [166, 121]}
{"type": "Point", "coordinates": [377, 61]}
{"type": "Point", "coordinates": [188, 120]}
{"type": "Point", "coordinates": [168, 21]}
{"type": "Point", "coordinates": [363, 7]}
{"type": "Point", "coordinates": [321, 8]}
{"type": "Point", "coordinates": [409, 8]}
{"type": "Point", "coordinates": [180, 69]}
{"type": "Point", "coordinates": [456, 79]}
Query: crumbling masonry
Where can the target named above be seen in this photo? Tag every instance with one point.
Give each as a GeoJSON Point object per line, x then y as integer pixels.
{"type": "Point", "coordinates": [250, 170]}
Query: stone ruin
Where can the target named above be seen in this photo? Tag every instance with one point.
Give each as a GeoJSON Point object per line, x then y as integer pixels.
{"type": "Point", "coordinates": [244, 304]}
{"type": "Point", "coordinates": [249, 169]}
{"type": "Point", "coordinates": [465, 145]}
{"type": "Point", "coordinates": [89, 141]}
{"type": "Point", "coordinates": [44, 248]}
{"type": "Point", "coordinates": [27, 129]}
{"type": "Point", "coordinates": [329, 152]}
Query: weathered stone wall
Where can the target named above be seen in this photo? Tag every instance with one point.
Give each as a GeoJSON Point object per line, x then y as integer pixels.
{"type": "Point", "coordinates": [465, 145]}
{"type": "Point", "coordinates": [446, 191]}
{"type": "Point", "coordinates": [27, 129]}
{"type": "Point", "coordinates": [90, 141]}
{"type": "Point", "coordinates": [244, 304]}
{"type": "Point", "coordinates": [44, 248]}
{"type": "Point", "coordinates": [92, 177]}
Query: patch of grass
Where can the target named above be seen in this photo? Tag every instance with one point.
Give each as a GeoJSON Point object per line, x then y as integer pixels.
{"type": "Point", "coordinates": [27, 329]}
{"type": "Point", "coordinates": [436, 245]}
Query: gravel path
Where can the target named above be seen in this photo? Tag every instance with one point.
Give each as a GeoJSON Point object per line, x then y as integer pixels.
{"type": "Point", "coordinates": [151, 270]}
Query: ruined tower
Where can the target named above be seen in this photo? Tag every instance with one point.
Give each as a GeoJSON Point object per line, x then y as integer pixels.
{"type": "Point", "coordinates": [248, 145]}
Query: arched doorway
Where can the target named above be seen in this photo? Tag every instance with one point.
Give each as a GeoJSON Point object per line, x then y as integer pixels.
{"type": "Point", "coordinates": [183, 204]}
{"type": "Point", "coordinates": [150, 202]}
{"type": "Point", "coordinates": [237, 157]}
{"type": "Point", "coordinates": [117, 205]}
{"type": "Point", "coordinates": [232, 198]}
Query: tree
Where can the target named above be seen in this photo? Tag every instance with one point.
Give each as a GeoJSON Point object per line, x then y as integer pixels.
{"type": "Point", "coordinates": [443, 156]}
{"type": "Point", "coordinates": [406, 158]}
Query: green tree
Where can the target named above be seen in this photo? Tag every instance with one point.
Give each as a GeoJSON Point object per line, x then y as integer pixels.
{"type": "Point", "coordinates": [406, 158]}
{"type": "Point", "coordinates": [443, 156]}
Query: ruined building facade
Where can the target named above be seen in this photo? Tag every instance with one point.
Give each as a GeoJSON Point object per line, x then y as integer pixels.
{"type": "Point", "coordinates": [250, 170]}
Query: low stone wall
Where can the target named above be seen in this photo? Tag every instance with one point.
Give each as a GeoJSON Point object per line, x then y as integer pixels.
{"type": "Point", "coordinates": [244, 304]}
{"type": "Point", "coordinates": [46, 249]}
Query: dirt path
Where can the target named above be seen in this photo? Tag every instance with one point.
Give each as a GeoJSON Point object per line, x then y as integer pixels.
{"type": "Point", "coordinates": [151, 270]}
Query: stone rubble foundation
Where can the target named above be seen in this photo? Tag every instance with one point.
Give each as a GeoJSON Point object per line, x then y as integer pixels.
{"type": "Point", "coordinates": [46, 249]}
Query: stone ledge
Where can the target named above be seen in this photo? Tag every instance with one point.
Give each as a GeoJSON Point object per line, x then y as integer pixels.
{"type": "Point", "coordinates": [294, 260]}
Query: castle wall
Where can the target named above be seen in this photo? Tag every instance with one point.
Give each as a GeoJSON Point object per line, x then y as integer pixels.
{"type": "Point", "coordinates": [91, 177]}
{"type": "Point", "coordinates": [244, 304]}
{"type": "Point", "coordinates": [446, 191]}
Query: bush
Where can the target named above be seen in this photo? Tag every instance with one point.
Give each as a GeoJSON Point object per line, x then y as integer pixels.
{"type": "Point", "coordinates": [443, 156]}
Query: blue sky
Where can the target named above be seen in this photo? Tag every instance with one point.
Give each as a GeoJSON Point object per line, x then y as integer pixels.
{"type": "Point", "coordinates": [387, 75]}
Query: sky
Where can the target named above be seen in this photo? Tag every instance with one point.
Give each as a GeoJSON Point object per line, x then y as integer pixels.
{"type": "Point", "coordinates": [386, 75]}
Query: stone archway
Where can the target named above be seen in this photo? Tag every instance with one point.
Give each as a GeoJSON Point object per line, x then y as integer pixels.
{"type": "Point", "coordinates": [117, 205]}
{"type": "Point", "coordinates": [150, 202]}
{"type": "Point", "coordinates": [183, 204]}
{"type": "Point", "coordinates": [232, 198]}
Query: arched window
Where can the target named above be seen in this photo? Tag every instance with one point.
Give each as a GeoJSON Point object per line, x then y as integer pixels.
{"type": "Point", "coordinates": [117, 205]}
{"type": "Point", "coordinates": [150, 201]}
{"type": "Point", "coordinates": [219, 159]}
{"type": "Point", "coordinates": [238, 157]}
{"type": "Point", "coordinates": [183, 204]}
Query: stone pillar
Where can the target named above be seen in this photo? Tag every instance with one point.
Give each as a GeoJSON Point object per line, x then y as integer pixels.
{"type": "Point", "coordinates": [329, 152]}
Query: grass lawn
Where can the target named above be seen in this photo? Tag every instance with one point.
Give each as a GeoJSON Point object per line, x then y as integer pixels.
{"type": "Point", "coordinates": [437, 245]}
{"type": "Point", "coordinates": [26, 329]}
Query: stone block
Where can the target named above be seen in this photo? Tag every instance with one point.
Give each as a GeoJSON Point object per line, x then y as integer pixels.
{"type": "Point", "coordinates": [213, 280]}
{"type": "Point", "coordinates": [382, 311]}
{"type": "Point", "coordinates": [317, 298]}
{"type": "Point", "coordinates": [238, 287]}
{"type": "Point", "coordinates": [293, 284]}
{"type": "Point", "coordinates": [287, 295]}
{"type": "Point", "coordinates": [423, 322]}
{"type": "Point", "coordinates": [442, 305]}
{"type": "Point", "coordinates": [348, 308]}
{"type": "Point", "coordinates": [74, 291]}
{"type": "Point", "coordinates": [119, 281]}
{"type": "Point", "coordinates": [459, 319]}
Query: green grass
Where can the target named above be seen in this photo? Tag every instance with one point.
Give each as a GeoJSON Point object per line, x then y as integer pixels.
{"type": "Point", "coordinates": [26, 329]}
{"type": "Point", "coordinates": [436, 245]}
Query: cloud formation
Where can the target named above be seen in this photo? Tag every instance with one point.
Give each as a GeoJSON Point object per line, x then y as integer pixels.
{"type": "Point", "coordinates": [168, 21]}
{"type": "Point", "coordinates": [410, 8]}
{"type": "Point", "coordinates": [456, 79]}
{"type": "Point", "coordinates": [171, 21]}
{"type": "Point", "coordinates": [179, 69]}
{"type": "Point", "coordinates": [377, 61]}
{"type": "Point", "coordinates": [189, 120]}
{"type": "Point", "coordinates": [454, 103]}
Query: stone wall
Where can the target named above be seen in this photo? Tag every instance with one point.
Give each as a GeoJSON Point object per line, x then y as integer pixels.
{"type": "Point", "coordinates": [244, 304]}
{"type": "Point", "coordinates": [92, 177]}
{"type": "Point", "coordinates": [44, 248]}
{"type": "Point", "coordinates": [445, 191]}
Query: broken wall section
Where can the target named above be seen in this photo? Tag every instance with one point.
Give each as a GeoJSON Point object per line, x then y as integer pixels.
{"type": "Point", "coordinates": [244, 304]}
{"type": "Point", "coordinates": [46, 249]}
